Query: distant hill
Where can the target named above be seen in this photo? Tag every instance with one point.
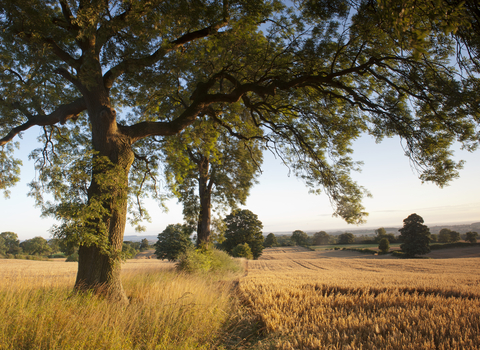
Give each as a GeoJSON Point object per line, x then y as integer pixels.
{"type": "Point", "coordinates": [460, 228]}
{"type": "Point", "coordinates": [435, 229]}
{"type": "Point", "coordinates": [135, 238]}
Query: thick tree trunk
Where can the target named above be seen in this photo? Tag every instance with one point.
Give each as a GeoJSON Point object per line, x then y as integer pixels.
{"type": "Point", "coordinates": [99, 257]}
{"type": "Point", "coordinates": [205, 194]}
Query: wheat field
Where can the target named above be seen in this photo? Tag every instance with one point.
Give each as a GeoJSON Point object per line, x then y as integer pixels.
{"type": "Point", "coordinates": [310, 300]}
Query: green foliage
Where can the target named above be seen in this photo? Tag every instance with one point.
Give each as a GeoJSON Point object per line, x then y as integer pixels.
{"type": "Point", "coordinates": [242, 251]}
{"type": "Point", "coordinates": [346, 238]}
{"type": "Point", "coordinates": [173, 241]}
{"type": "Point", "coordinates": [73, 257]}
{"type": "Point", "coordinates": [36, 246]}
{"type": "Point", "coordinates": [448, 236]}
{"type": "Point", "coordinates": [285, 241]}
{"type": "Point", "coordinates": [206, 168]}
{"type": "Point", "coordinates": [270, 241]}
{"type": "Point", "coordinates": [144, 245]}
{"type": "Point", "coordinates": [384, 245]}
{"type": "Point", "coordinates": [204, 260]}
{"type": "Point", "coordinates": [321, 238]}
{"type": "Point", "coordinates": [300, 238]}
{"type": "Point", "coordinates": [128, 250]}
{"type": "Point", "coordinates": [11, 242]}
{"type": "Point", "coordinates": [3, 246]}
{"type": "Point", "coordinates": [415, 236]}
{"type": "Point", "coordinates": [471, 237]}
{"type": "Point", "coordinates": [243, 226]}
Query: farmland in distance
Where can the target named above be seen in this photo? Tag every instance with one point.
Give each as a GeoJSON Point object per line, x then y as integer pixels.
{"type": "Point", "coordinates": [346, 300]}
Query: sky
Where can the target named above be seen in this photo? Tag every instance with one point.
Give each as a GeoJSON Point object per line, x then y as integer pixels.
{"type": "Point", "coordinates": [283, 204]}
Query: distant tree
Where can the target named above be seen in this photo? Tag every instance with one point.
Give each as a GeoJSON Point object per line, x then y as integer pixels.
{"type": "Point", "coordinates": [36, 246]}
{"type": "Point", "coordinates": [128, 250]}
{"type": "Point", "coordinates": [454, 236]}
{"type": "Point", "coordinates": [346, 238]}
{"type": "Point", "coordinates": [415, 236]}
{"type": "Point", "coordinates": [300, 238]}
{"type": "Point", "coordinates": [3, 246]}
{"type": "Point", "coordinates": [448, 236]}
{"type": "Point", "coordinates": [285, 241]}
{"type": "Point", "coordinates": [144, 245]}
{"type": "Point", "coordinates": [471, 237]}
{"type": "Point", "coordinates": [379, 234]}
{"type": "Point", "coordinates": [54, 244]}
{"type": "Point", "coordinates": [433, 238]}
{"type": "Point", "coordinates": [11, 242]}
{"type": "Point", "coordinates": [384, 245]}
{"type": "Point", "coordinates": [270, 241]}
{"type": "Point", "coordinates": [173, 241]}
{"type": "Point", "coordinates": [242, 251]}
{"type": "Point", "coordinates": [320, 238]}
{"type": "Point", "coordinates": [243, 226]}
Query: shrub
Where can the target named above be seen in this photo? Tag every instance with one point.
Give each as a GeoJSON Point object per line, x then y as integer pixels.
{"type": "Point", "coordinates": [384, 245]}
{"type": "Point", "coordinates": [207, 260]}
{"type": "Point", "coordinates": [242, 251]}
{"type": "Point", "coordinates": [72, 257]}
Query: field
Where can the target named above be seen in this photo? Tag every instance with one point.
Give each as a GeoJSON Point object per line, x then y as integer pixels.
{"type": "Point", "coordinates": [167, 310]}
{"type": "Point", "coordinates": [346, 300]}
{"type": "Point", "coordinates": [291, 298]}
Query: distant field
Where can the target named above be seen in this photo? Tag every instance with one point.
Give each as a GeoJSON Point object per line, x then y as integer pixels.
{"type": "Point", "coordinates": [323, 300]}
{"type": "Point", "coordinates": [393, 246]}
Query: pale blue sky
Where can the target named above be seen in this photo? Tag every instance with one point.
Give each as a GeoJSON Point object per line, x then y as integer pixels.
{"type": "Point", "coordinates": [283, 203]}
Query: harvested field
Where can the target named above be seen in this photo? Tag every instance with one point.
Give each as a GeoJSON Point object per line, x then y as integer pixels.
{"type": "Point", "coordinates": [310, 300]}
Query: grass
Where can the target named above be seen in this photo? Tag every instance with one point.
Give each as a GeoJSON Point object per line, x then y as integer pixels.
{"type": "Point", "coordinates": [168, 310]}
{"type": "Point", "coordinates": [291, 298]}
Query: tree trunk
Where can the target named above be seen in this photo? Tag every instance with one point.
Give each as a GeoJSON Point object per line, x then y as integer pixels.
{"type": "Point", "coordinates": [205, 194]}
{"type": "Point", "coordinates": [99, 261]}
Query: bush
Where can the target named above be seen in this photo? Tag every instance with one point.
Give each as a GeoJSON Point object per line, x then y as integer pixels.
{"type": "Point", "coordinates": [207, 260]}
{"type": "Point", "coordinates": [384, 245]}
{"type": "Point", "coordinates": [57, 256]}
{"type": "Point", "coordinates": [242, 251]}
{"type": "Point", "coordinates": [72, 257]}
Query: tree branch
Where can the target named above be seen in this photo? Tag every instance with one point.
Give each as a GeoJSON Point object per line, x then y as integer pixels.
{"type": "Point", "coordinates": [60, 115]}
{"type": "Point", "coordinates": [130, 65]}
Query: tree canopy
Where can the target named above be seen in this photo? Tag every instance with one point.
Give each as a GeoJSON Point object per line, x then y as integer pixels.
{"type": "Point", "coordinates": [415, 236]}
{"type": "Point", "coordinates": [308, 76]}
{"type": "Point", "coordinates": [206, 168]}
{"type": "Point", "coordinates": [173, 241]}
{"type": "Point", "coordinates": [243, 226]}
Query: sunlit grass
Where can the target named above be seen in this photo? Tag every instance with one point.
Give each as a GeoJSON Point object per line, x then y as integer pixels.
{"type": "Point", "coordinates": [167, 310]}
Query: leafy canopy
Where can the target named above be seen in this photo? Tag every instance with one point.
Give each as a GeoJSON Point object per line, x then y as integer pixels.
{"type": "Point", "coordinates": [415, 236]}
{"type": "Point", "coordinates": [310, 82]}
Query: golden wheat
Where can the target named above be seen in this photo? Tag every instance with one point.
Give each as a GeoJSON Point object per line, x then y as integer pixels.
{"type": "Point", "coordinates": [308, 302]}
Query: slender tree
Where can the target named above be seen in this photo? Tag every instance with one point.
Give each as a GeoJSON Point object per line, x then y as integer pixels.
{"type": "Point", "coordinates": [309, 82]}
{"type": "Point", "coordinates": [219, 169]}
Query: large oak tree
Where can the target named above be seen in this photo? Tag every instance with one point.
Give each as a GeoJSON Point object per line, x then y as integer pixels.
{"type": "Point", "coordinates": [310, 78]}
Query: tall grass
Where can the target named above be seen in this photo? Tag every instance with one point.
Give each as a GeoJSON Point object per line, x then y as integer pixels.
{"type": "Point", "coordinates": [167, 310]}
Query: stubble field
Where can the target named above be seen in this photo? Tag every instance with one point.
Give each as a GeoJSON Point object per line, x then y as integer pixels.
{"type": "Point", "coordinates": [345, 300]}
{"type": "Point", "coordinates": [291, 298]}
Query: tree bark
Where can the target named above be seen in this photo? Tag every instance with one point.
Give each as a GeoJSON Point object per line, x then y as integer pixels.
{"type": "Point", "coordinates": [205, 194]}
{"type": "Point", "coordinates": [99, 262]}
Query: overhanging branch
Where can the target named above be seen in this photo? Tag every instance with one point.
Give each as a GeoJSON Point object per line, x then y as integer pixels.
{"type": "Point", "coordinates": [60, 115]}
